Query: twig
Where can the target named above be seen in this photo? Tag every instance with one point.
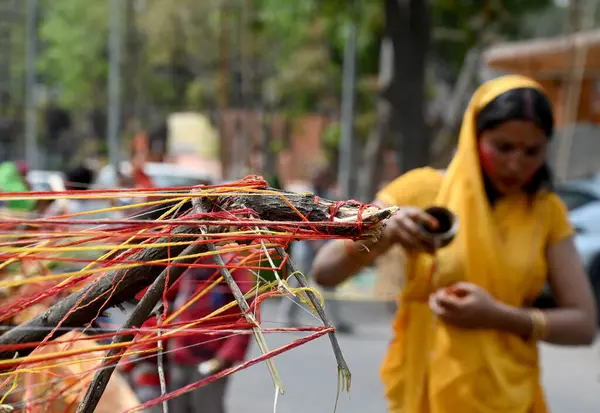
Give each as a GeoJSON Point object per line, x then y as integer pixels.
{"type": "Point", "coordinates": [337, 351]}
{"type": "Point", "coordinates": [160, 363]}
{"type": "Point", "coordinates": [120, 285]}
{"type": "Point", "coordinates": [139, 315]}
{"type": "Point", "coordinates": [243, 304]}
{"type": "Point", "coordinates": [79, 308]}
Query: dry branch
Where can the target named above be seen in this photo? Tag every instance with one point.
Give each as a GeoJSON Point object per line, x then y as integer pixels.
{"type": "Point", "coordinates": [138, 316]}
{"type": "Point", "coordinates": [121, 285]}
{"type": "Point", "coordinates": [124, 283]}
{"type": "Point", "coordinates": [337, 351]}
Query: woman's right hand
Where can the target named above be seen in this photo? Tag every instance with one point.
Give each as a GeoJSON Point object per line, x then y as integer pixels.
{"type": "Point", "coordinates": [403, 228]}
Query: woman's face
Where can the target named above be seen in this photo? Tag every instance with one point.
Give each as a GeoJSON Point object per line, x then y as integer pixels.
{"type": "Point", "coordinates": [512, 153]}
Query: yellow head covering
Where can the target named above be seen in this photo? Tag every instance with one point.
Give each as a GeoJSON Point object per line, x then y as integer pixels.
{"type": "Point", "coordinates": [435, 369]}
{"type": "Point", "coordinates": [463, 191]}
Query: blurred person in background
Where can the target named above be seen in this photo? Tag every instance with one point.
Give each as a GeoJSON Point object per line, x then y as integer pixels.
{"type": "Point", "coordinates": [467, 333]}
{"type": "Point", "coordinates": [13, 178]}
{"type": "Point", "coordinates": [23, 168]}
{"type": "Point", "coordinates": [79, 178]}
{"type": "Point", "coordinates": [304, 252]}
{"type": "Point", "coordinates": [190, 358]}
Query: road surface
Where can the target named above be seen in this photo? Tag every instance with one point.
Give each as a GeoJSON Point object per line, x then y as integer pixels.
{"type": "Point", "coordinates": [309, 375]}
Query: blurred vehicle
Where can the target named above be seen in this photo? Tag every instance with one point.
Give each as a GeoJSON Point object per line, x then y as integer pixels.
{"type": "Point", "coordinates": [582, 199]}
{"type": "Point", "coordinates": [41, 180]}
{"type": "Point", "coordinates": [163, 175]}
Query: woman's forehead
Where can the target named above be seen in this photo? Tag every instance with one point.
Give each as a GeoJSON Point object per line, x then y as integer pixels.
{"type": "Point", "coordinates": [518, 131]}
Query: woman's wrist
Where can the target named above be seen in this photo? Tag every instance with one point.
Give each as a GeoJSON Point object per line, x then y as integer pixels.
{"type": "Point", "coordinates": [512, 319]}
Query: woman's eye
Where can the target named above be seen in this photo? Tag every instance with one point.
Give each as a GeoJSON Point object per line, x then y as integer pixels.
{"type": "Point", "coordinates": [531, 152]}
{"type": "Point", "coordinates": [505, 147]}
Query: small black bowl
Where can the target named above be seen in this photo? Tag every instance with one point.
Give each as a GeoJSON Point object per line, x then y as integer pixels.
{"type": "Point", "coordinates": [447, 228]}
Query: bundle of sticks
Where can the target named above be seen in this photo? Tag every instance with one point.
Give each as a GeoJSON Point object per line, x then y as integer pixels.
{"type": "Point", "coordinates": [181, 225]}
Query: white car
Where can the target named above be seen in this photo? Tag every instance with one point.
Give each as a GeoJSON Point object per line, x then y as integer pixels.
{"type": "Point", "coordinates": [163, 175]}
{"type": "Point", "coordinates": [43, 181]}
{"type": "Point", "coordinates": [583, 201]}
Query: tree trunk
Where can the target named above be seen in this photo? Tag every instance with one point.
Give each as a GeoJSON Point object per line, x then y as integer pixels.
{"type": "Point", "coordinates": [372, 172]}
{"type": "Point", "coordinates": [132, 63]}
{"type": "Point", "coordinates": [442, 146]}
{"type": "Point", "coordinates": [408, 27]}
{"type": "Point", "coordinates": [268, 153]}
{"type": "Point", "coordinates": [8, 13]}
{"type": "Point", "coordinates": [371, 176]}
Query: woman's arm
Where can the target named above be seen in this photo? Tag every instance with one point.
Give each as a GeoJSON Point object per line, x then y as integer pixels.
{"type": "Point", "coordinates": [338, 260]}
{"type": "Point", "coordinates": [341, 259]}
{"type": "Point", "coordinates": [574, 320]}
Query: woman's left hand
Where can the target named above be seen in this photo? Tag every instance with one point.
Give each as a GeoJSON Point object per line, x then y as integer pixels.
{"type": "Point", "coordinates": [465, 305]}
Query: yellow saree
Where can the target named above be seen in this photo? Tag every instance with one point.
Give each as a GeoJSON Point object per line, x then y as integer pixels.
{"type": "Point", "coordinates": [68, 379]}
{"type": "Point", "coordinates": [432, 367]}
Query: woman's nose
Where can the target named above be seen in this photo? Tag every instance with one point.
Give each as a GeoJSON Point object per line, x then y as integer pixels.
{"type": "Point", "coordinates": [516, 162]}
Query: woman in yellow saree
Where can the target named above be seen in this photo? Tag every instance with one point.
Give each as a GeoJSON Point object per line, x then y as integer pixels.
{"type": "Point", "coordinates": [465, 333]}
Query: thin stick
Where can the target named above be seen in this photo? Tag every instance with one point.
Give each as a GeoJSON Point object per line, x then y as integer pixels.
{"type": "Point", "coordinates": [121, 285]}
{"type": "Point", "coordinates": [243, 304]}
{"type": "Point", "coordinates": [160, 365]}
{"type": "Point", "coordinates": [279, 207]}
{"type": "Point", "coordinates": [139, 315]}
{"type": "Point", "coordinates": [337, 351]}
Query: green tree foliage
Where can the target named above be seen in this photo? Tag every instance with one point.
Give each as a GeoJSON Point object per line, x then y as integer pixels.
{"type": "Point", "coordinates": [468, 20]}
{"type": "Point", "coordinates": [182, 43]}
{"type": "Point", "coordinates": [73, 50]}
{"type": "Point", "coordinates": [297, 46]}
{"type": "Point", "coordinates": [552, 21]}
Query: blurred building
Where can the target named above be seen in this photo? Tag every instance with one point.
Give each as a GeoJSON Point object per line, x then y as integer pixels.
{"type": "Point", "coordinates": [552, 62]}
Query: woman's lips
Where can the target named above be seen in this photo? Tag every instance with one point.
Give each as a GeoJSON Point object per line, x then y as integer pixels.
{"type": "Point", "coordinates": [509, 182]}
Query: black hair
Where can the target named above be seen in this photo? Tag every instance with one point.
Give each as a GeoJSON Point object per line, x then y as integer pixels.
{"type": "Point", "coordinates": [80, 178]}
{"type": "Point", "coordinates": [528, 104]}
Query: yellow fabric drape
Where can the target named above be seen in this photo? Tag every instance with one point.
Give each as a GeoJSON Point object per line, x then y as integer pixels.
{"type": "Point", "coordinates": [72, 379]}
{"type": "Point", "coordinates": [432, 367]}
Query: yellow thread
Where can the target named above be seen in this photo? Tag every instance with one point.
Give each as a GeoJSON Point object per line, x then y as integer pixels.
{"type": "Point", "coordinates": [23, 254]}
{"type": "Point", "coordinates": [44, 248]}
{"type": "Point", "coordinates": [217, 311]}
{"type": "Point", "coordinates": [76, 274]}
{"type": "Point", "coordinates": [240, 191]}
{"type": "Point", "coordinates": [108, 254]}
{"type": "Point", "coordinates": [202, 293]}
{"type": "Point", "coordinates": [41, 369]}
{"type": "Point", "coordinates": [95, 233]}
{"type": "Point", "coordinates": [12, 388]}
{"type": "Point", "coordinates": [64, 353]}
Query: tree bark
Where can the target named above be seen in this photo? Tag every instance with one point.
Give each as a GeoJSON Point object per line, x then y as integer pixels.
{"type": "Point", "coordinates": [446, 137]}
{"type": "Point", "coordinates": [408, 27]}
{"type": "Point", "coordinates": [371, 176]}
{"type": "Point", "coordinates": [131, 62]}
{"type": "Point", "coordinates": [374, 151]}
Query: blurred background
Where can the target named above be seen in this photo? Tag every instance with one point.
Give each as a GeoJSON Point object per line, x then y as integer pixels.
{"type": "Point", "coordinates": [214, 90]}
